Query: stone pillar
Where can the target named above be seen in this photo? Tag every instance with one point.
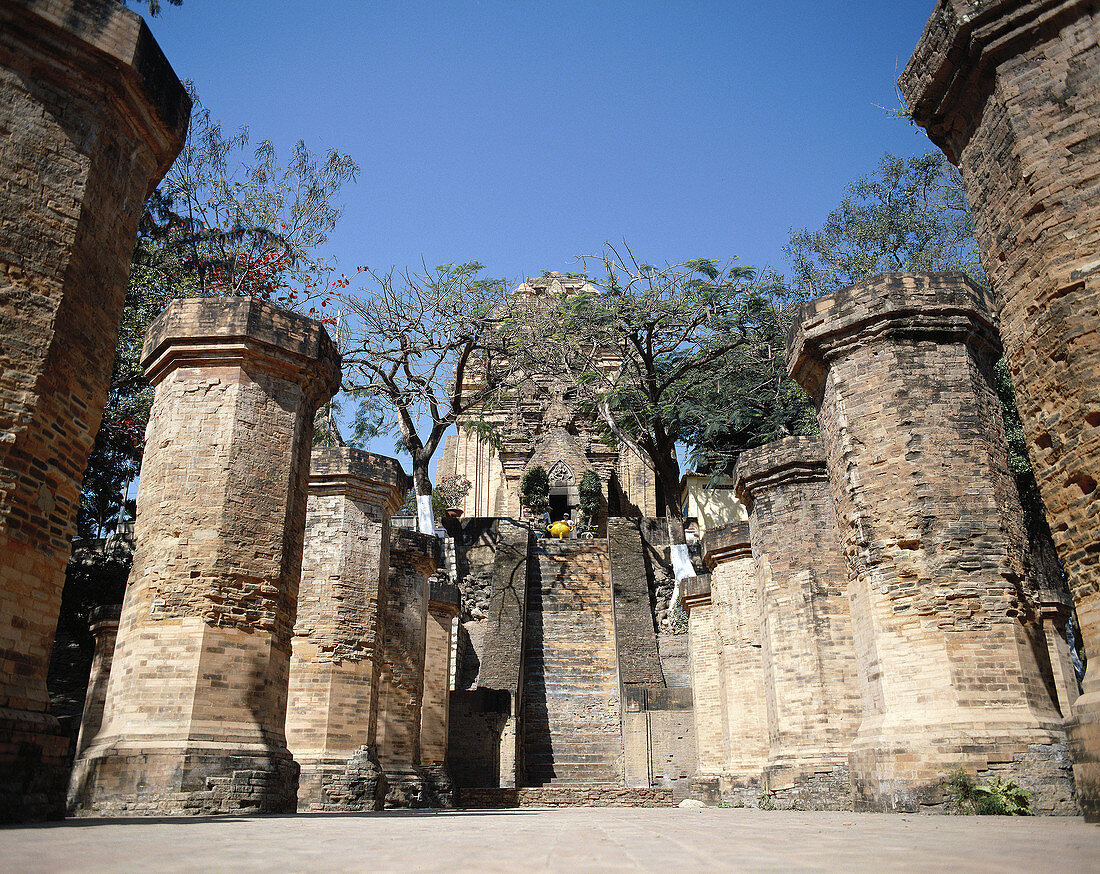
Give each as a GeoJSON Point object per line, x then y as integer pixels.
{"type": "Point", "coordinates": [196, 703]}
{"type": "Point", "coordinates": [332, 710]}
{"type": "Point", "coordinates": [728, 554]}
{"type": "Point", "coordinates": [1011, 93]}
{"type": "Point", "coordinates": [414, 557]}
{"type": "Point", "coordinates": [707, 677]}
{"type": "Point", "coordinates": [92, 117]}
{"type": "Point", "coordinates": [810, 682]}
{"type": "Point", "coordinates": [104, 627]}
{"type": "Point", "coordinates": [951, 651]}
{"type": "Point", "coordinates": [443, 605]}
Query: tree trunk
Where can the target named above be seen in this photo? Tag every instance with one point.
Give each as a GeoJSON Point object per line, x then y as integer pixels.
{"type": "Point", "coordinates": [425, 515]}
{"type": "Point", "coordinates": [668, 472]}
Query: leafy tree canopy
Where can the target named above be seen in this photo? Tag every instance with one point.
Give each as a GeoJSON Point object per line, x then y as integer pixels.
{"type": "Point", "coordinates": [421, 351]}
{"type": "Point", "coordinates": [909, 215]}
{"type": "Point", "coordinates": [635, 343]}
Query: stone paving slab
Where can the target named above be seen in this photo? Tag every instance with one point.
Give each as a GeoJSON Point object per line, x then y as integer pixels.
{"type": "Point", "coordinates": [567, 840]}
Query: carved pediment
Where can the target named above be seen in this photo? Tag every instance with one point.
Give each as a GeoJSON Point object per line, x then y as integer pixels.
{"type": "Point", "coordinates": [561, 474]}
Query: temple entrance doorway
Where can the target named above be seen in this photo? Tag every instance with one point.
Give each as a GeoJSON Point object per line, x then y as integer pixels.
{"type": "Point", "coordinates": [559, 506]}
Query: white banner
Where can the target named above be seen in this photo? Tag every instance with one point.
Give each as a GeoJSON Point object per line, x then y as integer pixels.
{"type": "Point", "coordinates": [425, 518]}
{"type": "Point", "coordinates": [682, 567]}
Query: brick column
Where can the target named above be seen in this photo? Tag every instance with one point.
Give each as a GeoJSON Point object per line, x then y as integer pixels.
{"type": "Point", "coordinates": [1011, 92]}
{"type": "Point", "coordinates": [92, 117]}
{"type": "Point", "coordinates": [806, 634]}
{"type": "Point", "coordinates": [196, 703]}
{"type": "Point", "coordinates": [104, 627]}
{"type": "Point", "coordinates": [728, 554]}
{"type": "Point", "coordinates": [444, 601]}
{"type": "Point", "coordinates": [708, 679]}
{"type": "Point", "coordinates": [414, 557]}
{"type": "Point", "coordinates": [335, 660]}
{"type": "Point", "coordinates": [952, 656]}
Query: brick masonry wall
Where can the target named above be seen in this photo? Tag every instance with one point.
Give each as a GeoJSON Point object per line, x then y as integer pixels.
{"type": "Point", "coordinates": [736, 614]}
{"type": "Point", "coordinates": [566, 796]}
{"type": "Point", "coordinates": [708, 676]}
{"type": "Point", "coordinates": [414, 557]}
{"type": "Point", "coordinates": [196, 701]}
{"type": "Point", "coordinates": [1011, 93]}
{"type": "Point", "coordinates": [805, 628]}
{"type": "Point", "coordinates": [443, 606]}
{"type": "Point", "coordinates": [104, 626]}
{"type": "Point", "coordinates": [92, 117]}
{"type": "Point", "coordinates": [478, 723]}
{"type": "Point", "coordinates": [659, 738]}
{"type": "Point", "coordinates": [953, 662]}
{"type": "Point", "coordinates": [635, 634]}
{"type": "Point", "coordinates": [332, 709]}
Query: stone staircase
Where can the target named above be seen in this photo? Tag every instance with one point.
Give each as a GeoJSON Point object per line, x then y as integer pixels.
{"type": "Point", "coordinates": [571, 708]}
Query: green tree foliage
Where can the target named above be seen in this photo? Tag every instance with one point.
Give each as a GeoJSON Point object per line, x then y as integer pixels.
{"type": "Point", "coordinates": [248, 225]}
{"type": "Point", "coordinates": [634, 344]}
{"type": "Point", "coordinates": [154, 6]}
{"type": "Point", "coordinates": [746, 399]}
{"type": "Point", "coordinates": [534, 490]}
{"type": "Point", "coordinates": [421, 352]}
{"type": "Point", "coordinates": [224, 221]}
{"type": "Point", "coordinates": [591, 496]}
{"type": "Point", "coordinates": [909, 215]}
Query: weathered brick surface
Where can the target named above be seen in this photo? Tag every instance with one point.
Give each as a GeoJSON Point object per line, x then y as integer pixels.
{"type": "Point", "coordinates": [635, 635]}
{"type": "Point", "coordinates": [566, 796]}
{"type": "Point", "coordinates": [707, 675]}
{"type": "Point", "coordinates": [332, 710]}
{"type": "Point", "coordinates": [196, 701]}
{"type": "Point", "coordinates": [806, 633]}
{"type": "Point", "coordinates": [104, 626]}
{"type": "Point", "coordinates": [443, 607]}
{"type": "Point", "coordinates": [952, 658]}
{"type": "Point", "coordinates": [571, 701]}
{"type": "Point", "coordinates": [1011, 92]}
{"type": "Point", "coordinates": [726, 637]}
{"type": "Point", "coordinates": [91, 116]}
{"type": "Point", "coordinates": [414, 557]}
{"type": "Point", "coordinates": [659, 738]}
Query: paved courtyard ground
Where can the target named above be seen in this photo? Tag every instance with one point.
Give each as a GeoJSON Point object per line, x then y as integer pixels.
{"type": "Point", "coordinates": [572, 840]}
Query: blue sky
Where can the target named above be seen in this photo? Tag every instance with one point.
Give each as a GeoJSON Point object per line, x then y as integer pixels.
{"type": "Point", "coordinates": [523, 134]}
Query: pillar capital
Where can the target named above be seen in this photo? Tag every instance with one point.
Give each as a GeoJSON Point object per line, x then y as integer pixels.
{"type": "Point", "coordinates": [946, 305]}
{"type": "Point", "coordinates": [107, 43]}
{"type": "Point", "coordinates": [695, 592]}
{"type": "Point", "coordinates": [225, 331]}
{"type": "Point", "coordinates": [789, 460]}
{"type": "Point", "coordinates": [422, 549]}
{"type": "Point", "coordinates": [444, 598]}
{"type": "Point", "coordinates": [726, 543]}
{"type": "Point", "coordinates": [953, 68]}
{"type": "Point", "coordinates": [104, 617]}
{"type": "Point", "coordinates": [345, 470]}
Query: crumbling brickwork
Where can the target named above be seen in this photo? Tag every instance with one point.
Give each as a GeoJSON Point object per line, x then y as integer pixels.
{"type": "Point", "coordinates": [196, 701]}
{"type": "Point", "coordinates": [335, 664]}
{"type": "Point", "coordinates": [805, 629]}
{"type": "Point", "coordinates": [91, 117]}
{"type": "Point", "coordinates": [952, 658]}
{"type": "Point", "coordinates": [1011, 92]}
